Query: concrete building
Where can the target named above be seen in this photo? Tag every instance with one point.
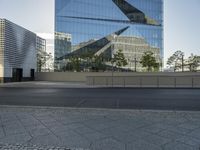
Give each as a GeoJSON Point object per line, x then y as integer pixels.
{"type": "Point", "coordinates": [18, 49]}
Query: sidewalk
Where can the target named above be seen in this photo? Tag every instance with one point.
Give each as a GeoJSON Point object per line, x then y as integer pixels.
{"type": "Point", "coordinates": [98, 129]}
{"type": "Point", "coordinates": [46, 84]}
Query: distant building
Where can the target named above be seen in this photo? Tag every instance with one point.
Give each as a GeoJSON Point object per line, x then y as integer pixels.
{"type": "Point", "coordinates": [62, 47]}
{"type": "Point", "coordinates": [18, 49]}
{"type": "Point", "coordinates": [133, 49]}
{"type": "Point", "coordinates": [41, 54]}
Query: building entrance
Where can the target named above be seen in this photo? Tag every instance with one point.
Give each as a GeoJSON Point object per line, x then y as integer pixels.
{"type": "Point", "coordinates": [17, 74]}
{"type": "Point", "coordinates": [32, 74]}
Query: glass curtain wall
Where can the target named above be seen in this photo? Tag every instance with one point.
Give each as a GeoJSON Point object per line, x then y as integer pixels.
{"type": "Point", "coordinates": [99, 28]}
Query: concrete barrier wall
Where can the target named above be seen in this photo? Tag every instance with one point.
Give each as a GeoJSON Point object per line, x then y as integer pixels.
{"type": "Point", "coordinates": [67, 76]}
{"type": "Point", "coordinates": [123, 79]}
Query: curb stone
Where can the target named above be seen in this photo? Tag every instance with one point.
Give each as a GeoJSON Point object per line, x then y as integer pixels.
{"type": "Point", "coordinates": [33, 147]}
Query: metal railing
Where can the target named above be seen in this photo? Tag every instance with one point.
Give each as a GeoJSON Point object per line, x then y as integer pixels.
{"type": "Point", "coordinates": [145, 81]}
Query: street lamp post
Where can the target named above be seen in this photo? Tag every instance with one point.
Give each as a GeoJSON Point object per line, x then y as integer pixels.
{"type": "Point", "coordinates": [135, 63]}
{"type": "Point", "coordinates": [182, 59]}
{"type": "Point", "coordinates": [112, 72]}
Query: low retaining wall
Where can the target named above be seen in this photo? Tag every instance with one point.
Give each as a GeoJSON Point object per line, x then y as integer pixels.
{"type": "Point", "coordinates": [67, 76]}
{"type": "Point", "coordinates": [125, 79]}
{"type": "Point", "coordinates": [170, 81]}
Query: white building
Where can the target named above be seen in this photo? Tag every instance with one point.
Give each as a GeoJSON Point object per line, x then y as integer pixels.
{"type": "Point", "coordinates": [17, 53]}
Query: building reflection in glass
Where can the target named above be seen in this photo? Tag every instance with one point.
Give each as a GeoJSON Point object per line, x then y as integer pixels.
{"type": "Point", "coordinates": [95, 30]}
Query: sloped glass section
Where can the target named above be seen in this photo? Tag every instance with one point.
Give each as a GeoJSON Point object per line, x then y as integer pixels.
{"type": "Point", "coordinates": [92, 47]}
{"type": "Point", "coordinates": [133, 14]}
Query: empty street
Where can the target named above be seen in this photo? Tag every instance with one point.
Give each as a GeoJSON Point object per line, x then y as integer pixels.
{"type": "Point", "coordinates": [120, 98]}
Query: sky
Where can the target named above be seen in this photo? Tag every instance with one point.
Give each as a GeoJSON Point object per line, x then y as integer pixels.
{"type": "Point", "coordinates": [181, 22]}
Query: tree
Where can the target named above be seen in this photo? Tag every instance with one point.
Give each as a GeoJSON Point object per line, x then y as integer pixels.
{"type": "Point", "coordinates": [193, 62]}
{"type": "Point", "coordinates": [43, 60]}
{"type": "Point", "coordinates": [98, 63]}
{"type": "Point", "coordinates": [176, 61]}
{"type": "Point", "coordinates": [149, 61]}
{"type": "Point", "coordinates": [119, 59]}
{"type": "Point", "coordinates": [49, 62]}
{"type": "Point", "coordinates": [74, 64]}
{"type": "Point", "coordinates": [86, 60]}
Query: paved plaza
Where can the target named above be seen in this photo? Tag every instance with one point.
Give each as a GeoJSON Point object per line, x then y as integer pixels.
{"type": "Point", "coordinates": [98, 129]}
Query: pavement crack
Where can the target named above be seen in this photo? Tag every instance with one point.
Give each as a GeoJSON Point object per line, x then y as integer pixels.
{"type": "Point", "coordinates": [4, 132]}
{"type": "Point", "coordinates": [24, 126]}
{"type": "Point", "coordinates": [47, 127]}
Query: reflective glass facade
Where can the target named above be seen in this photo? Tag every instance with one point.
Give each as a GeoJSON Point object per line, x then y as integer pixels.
{"type": "Point", "coordinates": [95, 26]}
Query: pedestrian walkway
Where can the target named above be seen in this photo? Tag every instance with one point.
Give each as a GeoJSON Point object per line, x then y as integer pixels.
{"type": "Point", "coordinates": [98, 129]}
{"type": "Point", "coordinates": [46, 84]}
{"type": "Point", "coordinates": [30, 147]}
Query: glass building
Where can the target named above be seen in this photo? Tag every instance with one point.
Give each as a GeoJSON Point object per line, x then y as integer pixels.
{"type": "Point", "coordinates": [99, 28]}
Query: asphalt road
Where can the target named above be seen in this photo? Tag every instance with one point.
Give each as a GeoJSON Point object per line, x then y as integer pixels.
{"type": "Point", "coordinates": [123, 98]}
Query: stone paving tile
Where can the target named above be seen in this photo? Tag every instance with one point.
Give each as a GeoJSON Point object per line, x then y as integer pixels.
{"type": "Point", "coordinates": [107, 144]}
{"type": "Point", "coordinates": [195, 133]}
{"type": "Point", "coordinates": [170, 135]}
{"type": "Point", "coordinates": [161, 125]}
{"type": "Point", "coordinates": [113, 130]}
{"type": "Point", "coordinates": [152, 129]}
{"type": "Point", "coordinates": [75, 141]}
{"type": "Point", "coordinates": [17, 138]}
{"type": "Point", "coordinates": [52, 124]}
{"type": "Point", "coordinates": [173, 128]}
{"type": "Point", "coordinates": [83, 130]}
{"type": "Point", "coordinates": [178, 146]}
{"type": "Point", "coordinates": [132, 125]}
{"type": "Point", "coordinates": [174, 121]}
{"type": "Point", "coordinates": [12, 123]}
{"type": "Point", "coordinates": [1, 132]}
{"type": "Point", "coordinates": [179, 130]}
{"type": "Point", "coordinates": [38, 131]}
{"type": "Point", "coordinates": [190, 141]}
{"type": "Point", "coordinates": [94, 136]}
{"type": "Point", "coordinates": [66, 133]}
{"type": "Point", "coordinates": [142, 145]}
{"type": "Point", "coordinates": [47, 121]}
{"type": "Point", "coordinates": [140, 134]}
{"type": "Point", "coordinates": [74, 125]}
{"type": "Point", "coordinates": [49, 139]}
{"type": "Point", "coordinates": [157, 140]}
{"type": "Point", "coordinates": [67, 121]}
{"type": "Point", "coordinates": [31, 147]}
{"type": "Point", "coordinates": [125, 137]}
{"type": "Point", "coordinates": [59, 129]}
{"type": "Point", "coordinates": [99, 125]}
{"type": "Point", "coordinates": [30, 122]}
{"type": "Point", "coordinates": [100, 129]}
{"type": "Point", "coordinates": [11, 130]}
{"type": "Point", "coordinates": [8, 118]}
{"type": "Point", "coordinates": [24, 116]}
{"type": "Point", "coordinates": [189, 125]}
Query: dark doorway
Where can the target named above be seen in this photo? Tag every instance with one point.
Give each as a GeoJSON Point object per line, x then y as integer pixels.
{"type": "Point", "coordinates": [32, 74]}
{"type": "Point", "coordinates": [17, 74]}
